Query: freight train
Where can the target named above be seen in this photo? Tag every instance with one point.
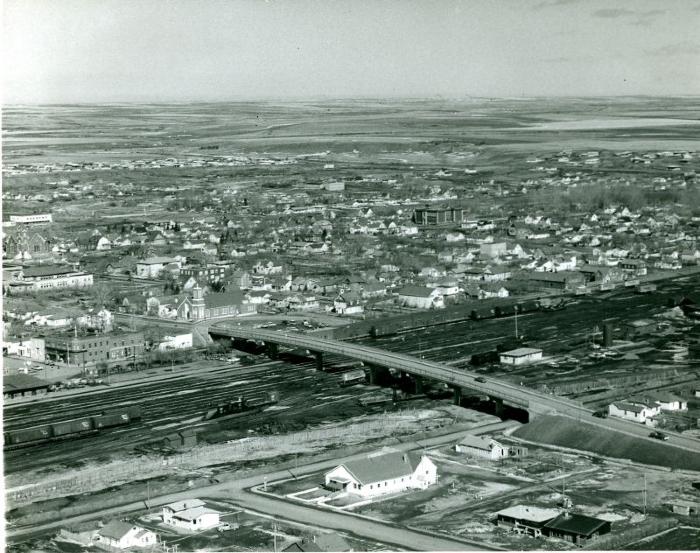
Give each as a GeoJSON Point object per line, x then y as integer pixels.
{"type": "Point", "coordinates": [242, 404]}
{"type": "Point", "coordinates": [25, 437]}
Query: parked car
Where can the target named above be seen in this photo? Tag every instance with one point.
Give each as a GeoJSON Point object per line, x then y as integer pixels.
{"type": "Point", "coordinates": [480, 379]}
{"type": "Point", "coordinates": [658, 435]}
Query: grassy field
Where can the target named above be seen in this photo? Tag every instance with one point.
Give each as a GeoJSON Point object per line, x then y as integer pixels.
{"type": "Point", "coordinates": [563, 432]}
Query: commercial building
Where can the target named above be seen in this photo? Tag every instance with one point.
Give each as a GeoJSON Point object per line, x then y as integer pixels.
{"type": "Point", "coordinates": [567, 280]}
{"type": "Point", "coordinates": [191, 515]}
{"type": "Point", "coordinates": [520, 356]}
{"type": "Point", "coordinates": [115, 349]}
{"type": "Point", "coordinates": [39, 278]}
{"type": "Point", "coordinates": [209, 272]}
{"type": "Point", "coordinates": [383, 474]}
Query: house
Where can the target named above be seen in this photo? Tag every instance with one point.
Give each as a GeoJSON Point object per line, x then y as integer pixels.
{"type": "Point", "coordinates": [525, 519]}
{"type": "Point", "coordinates": [124, 535]}
{"type": "Point", "coordinates": [670, 402]}
{"type": "Point", "coordinates": [493, 249]}
{"type": "Point", "coordinates": [636, 267]}
{"type": "Point", "coordinates": [348, 303]}
{"type": "Point", "coordinates": [576, 528]}
{"type": "Point", "coordinates": [632, 410]}
{"type": "Point", "coordinates": [485, 448]}
{"type": "Point", "coordinates": [191, 515]}
{"type": "Point", "coordinates": [421, 297]}
{"type": "Point", "coordinates": [382, 474]}
{"type": "Point", "coordinates": [520, 356]}
{"type": "Point", "coordinates": [152, 266]}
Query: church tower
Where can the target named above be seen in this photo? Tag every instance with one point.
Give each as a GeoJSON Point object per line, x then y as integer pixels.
{"type": "Point", "coordinates": [197, 303]}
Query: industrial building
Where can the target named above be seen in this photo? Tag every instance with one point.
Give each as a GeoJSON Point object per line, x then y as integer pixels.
{"type": "Point", "coordinates": [39, 278]}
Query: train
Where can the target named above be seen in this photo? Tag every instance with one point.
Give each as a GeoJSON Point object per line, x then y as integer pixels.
{"type": "Point", "coordinates": [241, 404]}
{"type": "Point", "coordinates": [69, 429]}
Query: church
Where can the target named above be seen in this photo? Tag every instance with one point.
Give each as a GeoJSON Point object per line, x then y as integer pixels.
{"type": "Point", "coordinates": [198, 307]}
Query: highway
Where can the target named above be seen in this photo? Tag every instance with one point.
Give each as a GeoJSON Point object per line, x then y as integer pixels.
{"type": "Point", "coordinates": [532, 400]}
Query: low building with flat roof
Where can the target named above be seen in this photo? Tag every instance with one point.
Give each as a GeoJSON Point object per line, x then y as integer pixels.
{"type": "Point", "coordinates": [525, 519]}
{"type": "Point", "coordinates": [19, 385]}
{"type": "Point", "coordinates": [520, 356]}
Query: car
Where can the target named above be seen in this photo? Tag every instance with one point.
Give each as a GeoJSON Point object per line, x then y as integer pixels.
{"type": "Point", "coordinates": [480, 379]}
{"type": "Point", "coordinates": [658, 435]}
{"type": "Point", "coordinates": [602, 414]}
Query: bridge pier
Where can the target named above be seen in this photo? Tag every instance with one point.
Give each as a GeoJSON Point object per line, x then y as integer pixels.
{"type": "Point", "coordinates": [457, 397]}
{"type": "Point", "coordinates": [319, 360]}
{"type": "Point", "coordinates": [499, 410]}
{"type": "Point", "coordinates": [378, 375]}
{"type": "Point", "coordinates": [272, 350]}
{"type": "Point", "coordinates": [420, 387]}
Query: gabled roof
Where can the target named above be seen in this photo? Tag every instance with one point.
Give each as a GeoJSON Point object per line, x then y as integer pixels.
{"type": "Point", "coordinates": [115, 529]}
{"type": "Point", "coordinates": [383, 467]}
{"type": "Point", "coordinates": [477, 442]}
{"type": "Point", "coordinates": [223, 299]}
{"type": "Point", "coordinates": [416, 291]}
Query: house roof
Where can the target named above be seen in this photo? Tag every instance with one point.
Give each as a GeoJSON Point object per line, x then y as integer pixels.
{"type": "Point", "coordinates": [47, 270]}
{"type": "Point", "coordinates": [186, 504]}
{"type": "Point", "coordinates": [194, 513]}
{"type": "Point", "coordinates": [115, 529]}
{"type": "Point", "coordinates": [574, 523]}
{"type": "Point", "coordinates": [19, 382]}
{"type": "Point", "coordinates": [383, 467]}
{"type": "Point", "coordinates": [521, 352]}
{"type": "Point", "coordinates": [624, 406]}
{"type": "Point", "coordinates": [416, 291]}
{"type": "Point", "coordinates": [531, 514]}
{"type": "Point", "coordinates": [156, 260]}
{"type": "Point", "coordinates": [477, 442]}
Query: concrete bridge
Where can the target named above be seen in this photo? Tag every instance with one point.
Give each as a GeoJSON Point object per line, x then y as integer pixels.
{"type": "Point", "coordinates": [500, 391]}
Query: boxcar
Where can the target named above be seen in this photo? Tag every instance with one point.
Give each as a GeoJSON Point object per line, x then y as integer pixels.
{"type": "Point", "coordinates": [134, 412]}
{"type": "Point", "coordinates": [107, 420]}
{"type": "Point", "coordinates": [28, 435]}
{"type": "Point", "coordinates": [75, 426]}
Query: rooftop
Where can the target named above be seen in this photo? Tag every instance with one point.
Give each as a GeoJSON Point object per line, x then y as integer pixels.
{"type": "Point", "coordinates": [574, 523]}
{"type": "Point", "coordinates": [115, 529]}
{"type": "Point", "coordinates": [531, 514]}
{"type": "Point", "coordinates": [383, 467]}
{"type": "Point", "coordinates": [521, 352]}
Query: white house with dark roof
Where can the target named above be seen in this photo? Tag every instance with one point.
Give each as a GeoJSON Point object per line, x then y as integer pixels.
{"type": "Point", "coordinates": [123, 535]}
{"type": "Point", "coordinates": [382, 474]}
{"type": "Point", "coordinates": [634, 411]}
{"type": "Point", "coordinates": [191, 514]}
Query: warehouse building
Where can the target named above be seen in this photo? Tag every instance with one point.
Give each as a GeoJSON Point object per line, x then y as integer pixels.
{"type": "Point", "coordinates": [20, 385]}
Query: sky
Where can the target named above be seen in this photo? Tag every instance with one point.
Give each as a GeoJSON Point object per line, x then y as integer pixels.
{"type": "Point", "coordinates": [73, 51]}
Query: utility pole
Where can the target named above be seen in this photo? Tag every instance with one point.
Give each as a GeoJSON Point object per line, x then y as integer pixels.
{"type": "Point", "coordinates": [645, 494]}
{"type": "Point", "coordinates": [516, 323]}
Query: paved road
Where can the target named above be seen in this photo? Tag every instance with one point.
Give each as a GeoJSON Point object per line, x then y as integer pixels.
{"type": "Point", "coordinates": [238, 492]}
{"type": "Point", "coordinates": [532, 400]}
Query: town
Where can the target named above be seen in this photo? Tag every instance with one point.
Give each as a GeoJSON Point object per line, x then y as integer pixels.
{"type": "Point", "coordinates": [436, 342]}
